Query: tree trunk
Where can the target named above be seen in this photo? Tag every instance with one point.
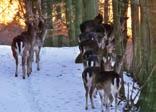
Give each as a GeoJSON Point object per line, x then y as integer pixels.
{"type": "Point", "coordinates": [44, 7]}
{"type": "Point", "coordinates": [116, 21]}
{"type": "Point", "coordinates": [79, 16]}
{"type": "Point", "coordinates": [106, 9]}
{"type": "Point", "coordinates": [136, 40]}
{"type": "Point", "coordinates": [118, 45]}
{"type": "Point", "coordinates": [123, 9]}
{"type": "Point", "coordinates": [91, 9]}
{"type": "Point", "coordinates": [49, 14]}
{"type": "Point", "coordinates": [148, 95]}
{"type": "Point", "coordinates": [28, 8]}
{"type": "Point", "coordinates": [120, 28]}
{"type": "Point", "coordinates": [70, 22]}
{"type": "Point", "coordinates": [123, 4]}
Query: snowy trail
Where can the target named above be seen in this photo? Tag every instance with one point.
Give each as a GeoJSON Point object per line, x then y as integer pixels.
{"type": "Point", "coordinates": [57, 87]}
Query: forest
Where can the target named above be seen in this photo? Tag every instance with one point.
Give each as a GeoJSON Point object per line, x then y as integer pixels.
{"type": "Point", "coordinates": [59, 24]}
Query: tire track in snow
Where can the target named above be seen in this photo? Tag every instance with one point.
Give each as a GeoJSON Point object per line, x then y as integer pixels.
{"type": "Point", "coordinates": [31, 96]}
{"type": "Point", "coordinates": [25, 88]}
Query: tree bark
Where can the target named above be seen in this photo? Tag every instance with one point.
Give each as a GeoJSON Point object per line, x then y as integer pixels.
{"type": "Point", "coordinates": [49, 14]}
{"type": "Point", "coordinates": [123, 4]}
{"type": "Point", "coordinates": [123, 9]}
{"type": "Point", "coordinates": [116, 21]}
{"type": "Point", "coordinates": [79, 16]}
{"type": "Point", "coordinates": [91, 9]}
{"type": "Point", "coordinates": [44, 7]}
{"type": "Point", "coordinates": [136, 40]}
{"type": "Point", "coordinates": [148, 95]}
{"type": "Point", "coordinates": [70, 22]}
{"type": "Point", "coordinates": [106, 9]}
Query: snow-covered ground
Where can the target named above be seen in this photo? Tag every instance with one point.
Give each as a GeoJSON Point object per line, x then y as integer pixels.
{"type": "Point", "coordinates": [57, 87]}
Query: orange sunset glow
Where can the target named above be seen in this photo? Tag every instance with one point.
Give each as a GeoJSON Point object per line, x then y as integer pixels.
{"type": "Point", "coordinates": [12, 11]}
{"type": "Point", "coordinates": [9, 11]}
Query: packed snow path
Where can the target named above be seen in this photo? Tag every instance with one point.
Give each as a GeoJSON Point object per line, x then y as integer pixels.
{"type": "Point", "coordinates": [57, 87]}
